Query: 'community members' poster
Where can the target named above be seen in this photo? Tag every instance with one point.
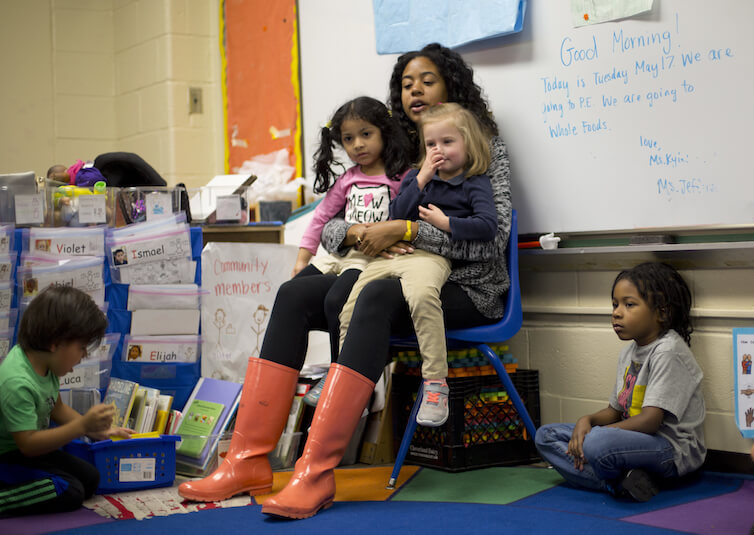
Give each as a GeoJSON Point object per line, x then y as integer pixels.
{"type": "Point", "coordinates": [743, 349]}
{"type": "Point", "coordinates": [241, 280]}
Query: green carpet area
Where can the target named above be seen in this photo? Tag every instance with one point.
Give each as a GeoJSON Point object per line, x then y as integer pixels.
{"type": "Point", "coordinates": [474, 486]}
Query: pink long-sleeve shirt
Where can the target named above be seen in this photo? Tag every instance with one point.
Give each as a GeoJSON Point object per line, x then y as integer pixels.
{"type": "Point", "coordinates": [366, 200]}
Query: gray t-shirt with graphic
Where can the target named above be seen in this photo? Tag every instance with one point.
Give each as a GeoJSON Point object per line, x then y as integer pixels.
{"type": "Point", "coordinates": [664, 374]}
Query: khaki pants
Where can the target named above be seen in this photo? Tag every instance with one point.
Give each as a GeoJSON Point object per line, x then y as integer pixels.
{"type": "Point", "coordinates": [422, 276]}
{"type": "Point", "coordinates": [336, 265]}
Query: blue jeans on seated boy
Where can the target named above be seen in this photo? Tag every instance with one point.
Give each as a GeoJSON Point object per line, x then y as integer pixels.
{"type": "Point", "coordinates": [609, 452]}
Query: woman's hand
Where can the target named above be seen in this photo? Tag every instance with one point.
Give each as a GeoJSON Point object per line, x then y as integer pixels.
{"type": "Point", "coordinates": [355, 234]}
{"type": "Point", "coordinates": [576, 444]}
{"type": "Point", "coordinates": [400, 248]}
{"type": "Point", "coordinates": [378, 237]}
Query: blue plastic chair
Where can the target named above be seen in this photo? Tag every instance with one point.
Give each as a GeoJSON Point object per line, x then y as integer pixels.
{"type": "Point", "coordinates": [479, 337]}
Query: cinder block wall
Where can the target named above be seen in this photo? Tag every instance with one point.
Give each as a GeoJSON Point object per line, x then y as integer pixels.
{"type": "Point", "coordinates": [567, 336]}
{"type": "Point", "coordinates": [161, 49]}
{"type": "Point", "coordinates": [92, 76]}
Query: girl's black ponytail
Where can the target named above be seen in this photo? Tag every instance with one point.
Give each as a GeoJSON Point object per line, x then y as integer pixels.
{"type": "Point", "coordinates": [324, 176]}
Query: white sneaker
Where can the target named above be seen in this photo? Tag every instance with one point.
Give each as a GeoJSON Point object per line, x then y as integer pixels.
{"type": "Point", "coordinates": [433, 411]}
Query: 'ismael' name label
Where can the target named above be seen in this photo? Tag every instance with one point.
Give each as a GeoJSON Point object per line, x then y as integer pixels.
{"type": "Point", "coordinates": [168, 246]}
{"type": "Point", "coordinates": [159, 252]}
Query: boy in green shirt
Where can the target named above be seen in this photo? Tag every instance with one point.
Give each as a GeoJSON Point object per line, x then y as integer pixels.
{"type": "Point", "coordinates": [35, 474]}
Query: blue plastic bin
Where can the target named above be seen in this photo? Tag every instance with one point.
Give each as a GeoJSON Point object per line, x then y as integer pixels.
{"type": "Point", "coordinates": [132, 464]}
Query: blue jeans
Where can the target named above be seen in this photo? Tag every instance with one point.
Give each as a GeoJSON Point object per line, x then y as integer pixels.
{"type": "Point", "coordinates": [609, 452]}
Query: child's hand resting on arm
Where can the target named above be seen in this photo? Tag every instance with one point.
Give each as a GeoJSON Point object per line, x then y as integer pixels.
{"type": "Point", "coordinates": [435, 217]}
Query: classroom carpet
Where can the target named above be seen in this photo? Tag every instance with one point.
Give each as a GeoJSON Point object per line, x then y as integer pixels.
{"type": "Point", "coordinates": [430, 501]}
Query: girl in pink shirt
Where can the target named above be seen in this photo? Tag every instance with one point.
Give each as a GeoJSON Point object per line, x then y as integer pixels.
{"type": "Point", "coordinates": [379, 149]}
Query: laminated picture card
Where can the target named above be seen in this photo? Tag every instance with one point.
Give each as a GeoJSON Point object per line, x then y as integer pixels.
{"type": "Point", "coordinates": [155, 349]}
{"type": "Point", "coordinates": [67, 241]}
{"type": "Point", "coordinates": [175, 271]}
{"type": "Point", "coordinates": [164, 244]}
{"type": "Point", "coordinates": [83, 273]}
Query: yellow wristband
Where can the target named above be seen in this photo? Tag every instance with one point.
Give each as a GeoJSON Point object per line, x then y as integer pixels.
{"type": "Point", "coordinates": [407, 235]}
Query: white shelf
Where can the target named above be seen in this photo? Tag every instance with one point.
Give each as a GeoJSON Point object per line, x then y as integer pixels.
{"type": "Point", "coordinates": [711, 255]}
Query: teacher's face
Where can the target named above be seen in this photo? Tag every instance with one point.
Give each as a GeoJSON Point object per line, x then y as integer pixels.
{"type": "Point", "coordinates": [422, 87]}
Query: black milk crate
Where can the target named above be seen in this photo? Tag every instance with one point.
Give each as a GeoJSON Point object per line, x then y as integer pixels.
{"type": "Point", "coordinates": [483, 427]}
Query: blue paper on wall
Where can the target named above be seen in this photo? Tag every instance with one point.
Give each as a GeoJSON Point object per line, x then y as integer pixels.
{"type": "Point", "coordinates": [403, 26]}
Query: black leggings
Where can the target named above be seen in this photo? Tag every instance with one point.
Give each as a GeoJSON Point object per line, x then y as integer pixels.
{"type": "Point", "coordinates": [381, 311]}
{"type": "Point", "coordinates": [53, 483]}
{"type": "Point", "coordinates": [310, 301]}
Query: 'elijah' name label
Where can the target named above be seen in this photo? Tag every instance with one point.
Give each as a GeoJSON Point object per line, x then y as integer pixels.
{"type": "Point", "coordinates": [149, 350]}
{"type": "Point", "coordinates": [162, 356]}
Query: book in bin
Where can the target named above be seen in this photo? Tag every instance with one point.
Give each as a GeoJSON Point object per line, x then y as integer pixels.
{"type": "Point", "coordinates": [164, 404]}
{"type": "Point", "coordinates": [226, 393]}
{"type": "Point", "coordinates": [121, 394]}
{"type": "Point", "coordinates": [196, 427]}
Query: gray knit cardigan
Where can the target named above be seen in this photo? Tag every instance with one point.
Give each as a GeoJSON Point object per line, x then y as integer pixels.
{"type": "Point", "coordinates": [484, 277]}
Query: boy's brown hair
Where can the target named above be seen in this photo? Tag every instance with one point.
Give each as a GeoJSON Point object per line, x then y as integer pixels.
{"type": "Point", "coordinates": [477, 142]}
{"type": "Point", "coordinates": [60, 314]}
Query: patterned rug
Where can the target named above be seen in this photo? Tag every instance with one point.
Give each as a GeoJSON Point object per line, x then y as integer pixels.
{"type": "Point", "coordinates": [425, 501]}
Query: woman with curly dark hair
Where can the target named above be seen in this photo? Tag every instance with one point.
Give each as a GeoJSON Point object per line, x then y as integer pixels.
{"type": "Point", "coordinates": [473, 295]}
{"type": "Point", "coordinates": [457, 79]}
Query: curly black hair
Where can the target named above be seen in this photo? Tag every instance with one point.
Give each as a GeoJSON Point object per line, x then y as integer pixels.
{"type": "Point", "coordinates": [661, 286]}
{"type": "Point", "coordinates": [459, 82]}
{"type": "Point", "coordinates": [395, 145]}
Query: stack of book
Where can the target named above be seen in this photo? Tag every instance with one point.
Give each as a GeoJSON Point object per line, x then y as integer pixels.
{"type": "Point", "coordinates": [206, 418]}
{"type": "Point", "coordinates": [140, 408]}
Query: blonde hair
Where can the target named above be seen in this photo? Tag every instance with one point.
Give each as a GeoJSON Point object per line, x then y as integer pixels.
{"type": "Point", "coordinates": [475, 139]}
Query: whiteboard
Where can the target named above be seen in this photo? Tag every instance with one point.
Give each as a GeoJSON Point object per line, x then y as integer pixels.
{"type": "Point", "coordinates": [636, 124]}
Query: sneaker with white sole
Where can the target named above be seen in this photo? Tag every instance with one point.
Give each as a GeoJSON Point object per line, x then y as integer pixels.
{"type": "Point", "coordinates": [433, 411]}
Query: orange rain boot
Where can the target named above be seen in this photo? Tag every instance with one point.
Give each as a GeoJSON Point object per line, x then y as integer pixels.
{"type": "Point", "coordinates": [339, 410]}
{"type": "Point", "coordinates": [262, 412]}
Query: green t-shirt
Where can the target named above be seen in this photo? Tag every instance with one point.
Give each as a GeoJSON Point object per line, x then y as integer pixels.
{"type": "Point", "coordinates": [26, 398]}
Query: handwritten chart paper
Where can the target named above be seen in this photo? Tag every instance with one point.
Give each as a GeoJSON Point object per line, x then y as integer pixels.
{"type": "Point", "coordinates": [242, 281]}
